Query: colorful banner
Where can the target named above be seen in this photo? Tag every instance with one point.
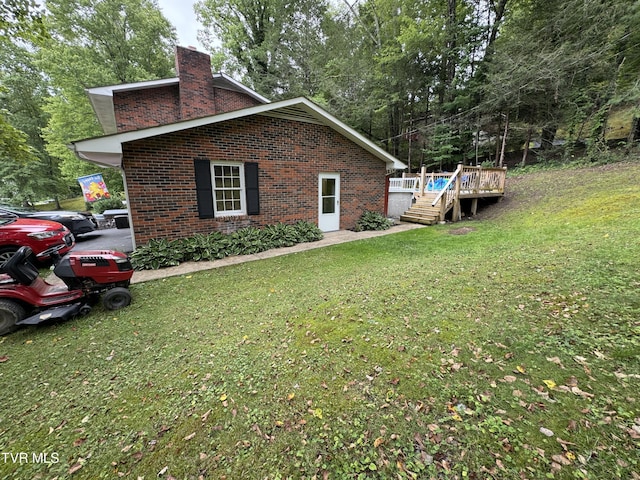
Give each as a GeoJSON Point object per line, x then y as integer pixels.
{"type": "Point", "coordinates": [93, 187]}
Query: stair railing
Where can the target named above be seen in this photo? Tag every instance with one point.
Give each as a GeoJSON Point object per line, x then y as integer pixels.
{"type": "Point", "coordinates": [450, 194]}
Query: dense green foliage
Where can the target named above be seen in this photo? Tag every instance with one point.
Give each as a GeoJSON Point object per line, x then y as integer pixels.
{"type": "Point", "coordinates": [99, 206]}
{"type": "Point", "coordinates": [435, 82]}
{"type": "Point", "coordinates": [372, 221]}
{"type": "Point", "coordinates": [161, 253]}
{"type": "Point", "coordinates": [510, 352]}
{"type": "Point", "coordinates": [42, 84]}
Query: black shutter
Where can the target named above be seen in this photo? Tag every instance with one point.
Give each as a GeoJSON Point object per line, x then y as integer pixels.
{"type": "Point", "coordinates": [251, 187]}
{"type": "Point", "coordinates": [204, 190]}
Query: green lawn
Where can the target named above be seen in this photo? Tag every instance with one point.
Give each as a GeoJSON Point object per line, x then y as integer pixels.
{"type": "Point", "coordinates": [510, 352]}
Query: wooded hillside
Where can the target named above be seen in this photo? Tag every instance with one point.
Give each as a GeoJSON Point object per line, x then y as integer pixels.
{"type": "Point", "coordinates": [434, 82]}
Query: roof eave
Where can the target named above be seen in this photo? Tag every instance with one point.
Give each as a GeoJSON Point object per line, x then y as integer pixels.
{"type": "Point", "coordinates": [107, 150]}
{"type": "Point", "coordinates": [101, 99]}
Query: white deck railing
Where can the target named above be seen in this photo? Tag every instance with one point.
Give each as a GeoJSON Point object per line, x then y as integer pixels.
{"type": "Point", "coordinates": [403, 184]}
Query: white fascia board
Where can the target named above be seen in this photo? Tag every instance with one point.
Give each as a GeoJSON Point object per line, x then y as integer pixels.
{"type": "Point", "coordinates": [109, 147]}
{"type": "Point", "coordinates": [127, 87]}
{"type": "Point", "coordinates": [101, 99]}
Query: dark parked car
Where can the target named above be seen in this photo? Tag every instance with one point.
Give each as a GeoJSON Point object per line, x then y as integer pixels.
{"type": "Point", "coordinates": [76, 222]}
{"type": "Point", "coordinates": [40, 235]}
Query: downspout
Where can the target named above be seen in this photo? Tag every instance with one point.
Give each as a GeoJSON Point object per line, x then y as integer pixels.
{"type": "Point", "coordinates": [73, 147]}
{"type": "Point", "coordinates": [386, 193]}
{"type": "Point", "coordinates": [126, 197]}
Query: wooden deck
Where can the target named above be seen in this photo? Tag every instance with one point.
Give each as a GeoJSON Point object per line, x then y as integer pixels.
{"type": "Point", "coordinates": [438, 193]}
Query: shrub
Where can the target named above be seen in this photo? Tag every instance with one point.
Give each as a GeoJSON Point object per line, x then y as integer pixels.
{"type": "Point", "coordinates": [280, 235]}
{"type": "Point", "coordinates": [164, 253]}
{"type": "Point", "coordinates": [157, 254]}
{"type": "Point", "coordinates": [100, 206]}
{"type": "Point", "coordinates": [372, 221]}
{"type": "Point", "coordinates": [246, 241]}
{"type": "Point", "coordinates": [204, 247]}
{"type": "Point", "coordinates": [308, 232]}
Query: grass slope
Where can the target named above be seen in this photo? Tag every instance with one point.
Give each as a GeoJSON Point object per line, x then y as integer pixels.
{"type": "Point", "coordinates": [509, 352]}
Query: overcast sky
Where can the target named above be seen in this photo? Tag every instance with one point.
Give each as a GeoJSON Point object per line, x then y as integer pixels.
{"type": "Point", "coordinates": [180, 14]}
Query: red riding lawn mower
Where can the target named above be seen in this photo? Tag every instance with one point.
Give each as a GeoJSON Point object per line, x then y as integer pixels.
{"type": "Point", "coordinates": [26, 299]}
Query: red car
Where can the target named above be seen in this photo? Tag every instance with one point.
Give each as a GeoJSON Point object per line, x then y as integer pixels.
{"type": "Point", "coordinates": [40, 235]}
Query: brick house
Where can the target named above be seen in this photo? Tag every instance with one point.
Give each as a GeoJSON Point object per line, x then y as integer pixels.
{"type": "Point", "coordinates": [202, 153]}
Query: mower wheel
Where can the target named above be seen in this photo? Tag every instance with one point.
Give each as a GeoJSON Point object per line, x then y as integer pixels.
{"type": "Point", "coordinates": [10, 313]}
{"type": "Point", "coordinates": [116, 298]}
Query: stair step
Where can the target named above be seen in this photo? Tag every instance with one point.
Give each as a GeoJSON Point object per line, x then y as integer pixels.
{"type": "Point", "coordinates": [433, 210]}
{"type": "Point", "coordinates": [417, 219]}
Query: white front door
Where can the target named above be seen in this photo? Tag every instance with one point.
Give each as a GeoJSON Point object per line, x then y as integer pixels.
{"type": "Point", "coordinates": [329, 202]}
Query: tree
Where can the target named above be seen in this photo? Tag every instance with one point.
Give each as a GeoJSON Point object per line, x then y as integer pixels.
{"type": "Point", "coordinates": [268, 42]}
{"type": "Point", "coordinates": [22, 19]}
{"type": "Point", "coordinates": [97, 42]}
{"type": "Point", "coordinates": [555, 64]}
{"type": "Point", "coordinates": [22, 96]}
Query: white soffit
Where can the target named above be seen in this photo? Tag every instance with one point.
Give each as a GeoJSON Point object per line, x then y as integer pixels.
{"type": "Point", "coordinates": [101, 99]}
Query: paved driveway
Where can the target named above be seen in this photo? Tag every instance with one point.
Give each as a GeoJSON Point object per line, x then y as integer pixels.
{"type": "Point", "coordinates": [107, 239]}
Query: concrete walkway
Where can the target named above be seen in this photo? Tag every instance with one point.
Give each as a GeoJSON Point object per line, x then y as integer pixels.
{"type": "Point", "coordinates": [330, 238]}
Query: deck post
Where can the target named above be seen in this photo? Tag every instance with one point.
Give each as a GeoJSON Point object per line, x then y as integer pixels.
{"type": "Point", "coordinates": [476, 187]}
{"type": "Point", "coordinates": [456, 214]}
{"type": "Point", "coordinates": [423, 176]}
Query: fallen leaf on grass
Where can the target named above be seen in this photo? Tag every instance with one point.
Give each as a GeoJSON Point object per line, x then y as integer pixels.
{"type": "Point", "coordinates": [625, 375]}
{"type": "Point", "coordinates": [79, 441]}
{"type": "Point", "coordinates": [74, 468]}
{"type": "Point", "coordinates": [556, 360]}
{"type": "Point", "coordinates": [3, 358]}
{"type": "Point", "coordinates": [190, 436]}
{"type": "Point", "coordinates": [378, 441]}
{"type": "Point", "coordinates": [546, 432]}
{"type": "Point", "coordinates": [561, 459]}
{"type": "Point", "coordinates": [564, 443]}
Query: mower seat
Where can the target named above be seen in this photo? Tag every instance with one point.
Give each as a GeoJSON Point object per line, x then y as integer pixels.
{"type": "Point", "coordinates": [20, 268]}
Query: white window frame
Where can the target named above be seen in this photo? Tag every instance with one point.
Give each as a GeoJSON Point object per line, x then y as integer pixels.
{"type": "Point", "coordinates": [215, 189]}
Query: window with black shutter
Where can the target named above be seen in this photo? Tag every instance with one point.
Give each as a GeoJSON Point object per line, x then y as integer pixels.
{"type": "Point", "coordinates": [226, 188]}
{"type": "Point", "coordinates": [204, 190]}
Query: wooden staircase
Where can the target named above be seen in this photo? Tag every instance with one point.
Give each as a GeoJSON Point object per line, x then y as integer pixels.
{"type": "Point", "coordinates": [422, 211]}
{"type": "Point", "coordinates": [465, 183]}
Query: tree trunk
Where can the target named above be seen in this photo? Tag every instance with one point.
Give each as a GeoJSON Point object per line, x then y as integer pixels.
{"type": "Point", "coordinates": [504, 140]}
{"type": "Point", "coordinates": [548, 136]}
{"type": "Point", "coordinates": [525, 154]}
{"type": "Point", "coordinates": [634, 133]}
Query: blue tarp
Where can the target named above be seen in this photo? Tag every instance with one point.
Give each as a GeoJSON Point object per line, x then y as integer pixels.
{"type": "Point", "coordinates": [437, 184]}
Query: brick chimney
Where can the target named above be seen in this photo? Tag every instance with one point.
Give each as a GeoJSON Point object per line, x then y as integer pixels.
{"type": "Point", "coordinates": [197, 95]}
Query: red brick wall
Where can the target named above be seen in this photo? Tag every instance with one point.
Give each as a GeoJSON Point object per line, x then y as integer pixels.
{"type": "Point", "coordinates": [195, 96]}
{"type": "Point", "coordinates": [290, 155]}
{"type": "Point", "coordinates": [228, 100]}
{"type": "Point", "coordinates": [146, 108]}
{"type": "Point", "coordinates": [196, 83]}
